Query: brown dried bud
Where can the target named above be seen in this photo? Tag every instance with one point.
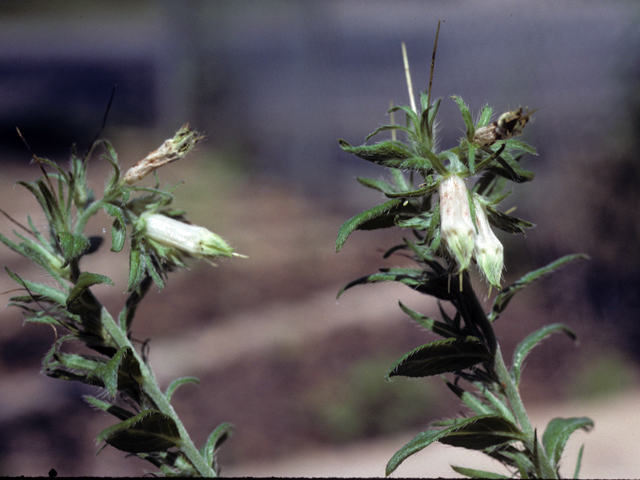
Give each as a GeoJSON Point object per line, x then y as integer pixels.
{"type": "Point", "coordinates": [172, 149]}
{"type": "Point", "coordinates": [508, 125]}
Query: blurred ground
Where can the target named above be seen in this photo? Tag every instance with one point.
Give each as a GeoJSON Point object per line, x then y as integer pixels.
{"type": "Point", "coordinates": [610, 449]}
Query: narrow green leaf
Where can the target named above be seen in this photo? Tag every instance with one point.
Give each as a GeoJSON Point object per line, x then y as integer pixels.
{"type": "Point", "coordinates": [114, 410]}
{"type": "Point", "coordinates": [472, 158]}
{"type": "Point", "coordinates": [380, 153]}
{"type": "Point", "coordinates": [499, 405]}
{"type": "Point", "coordinates": [470, 400]}
{"type": "Point", "coordinates": [441, 356]}
{"type": "Point", "coordinates": [173, 386]}
{"type": "Point", "coordinates": [511, 169]}
{"type": "Point", "coordinates": [520, 145]}
{"type": "Point", "coordinates": [136, 265]}
{"type": "Point", "coordinates": [108, 372]}
{"type": "Point", "coordinates": [149, 431]}
{"type": "Point", "coordinates": [420, 280]}
{"type": "Point", "coordinates": [426, 189]}
{"type": "Point", "coordinates": [417, 443]}
{"type": "Point", "coordinates": [541, 464]}
{"type": "Point", "coordinates": [379, 185]}
{"type": "Point", "coordinates": [125, 318]}
{"type": "Point", "coordinates": [477, 433]}
{"type": "Point", "coordinates": [482, 431]}
{"type": "Point", "coordinates": [506, 222]}
{"type": "Point", "coordinates": [576, 473]}
{"type": "Point", "coordinates": [436, 162]}
{"type": "Point", "coordinates": [466, 116]}
{"type": "Point", "coordinates": [437, 327]}
{"type": "Point", "coordinates": [217, 438]}
{"type": "Point", "coordinates": [504, 297]}
{"type": "Point", "coordinates": [73, 245]}
{"type": "Point", "coordinates": [473, 473]}
{"type": "Point", "coordinates": [354, 223]}
{"type": "Point", "coordinates": [421, 222]}
{"type": "Point", "coordinates": [558, 432]}
{"type": "Point", "coordinates": [118, 228]}
{"type": "Point", "coordinates": [485, 116]}
{"type": "Point", "coordinates": [384, 128]}
{"type": "Point", "coordinates": [531, 341]}
{"type": "Point", "coordinates": [49, 293]}
{"type": "Point", "coordinates": [86, 280]}
{"type": "Point", "coordinates": [427, 121]}
{"type": "Point", "coordinates": [412, 122]}
{"type": "Point", "coordinates": [154, 272]}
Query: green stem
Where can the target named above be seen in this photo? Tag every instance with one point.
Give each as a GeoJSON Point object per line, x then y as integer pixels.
{"type": "Point", "coordinates": [511, 391]}
{"type": "Point", "coordinates": [151, 388]}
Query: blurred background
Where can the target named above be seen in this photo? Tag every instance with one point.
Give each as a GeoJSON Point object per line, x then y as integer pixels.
{"type": "Point", "coordinates": [273, 85]}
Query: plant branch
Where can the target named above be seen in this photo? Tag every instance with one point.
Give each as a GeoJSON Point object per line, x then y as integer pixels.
{"type": "Point", "coordinates": [151, 388]}
{"type": "Point", "coordinates": [511, 391]}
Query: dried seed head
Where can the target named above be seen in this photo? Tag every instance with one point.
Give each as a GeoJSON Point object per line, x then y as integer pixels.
{"type": "Point", "coordinates": [509, 124]}
{"type": "Point", "coordinates": [172, 149]}
{"type": "Point", "coordinates": [456, 227]}
{"type": "Point", "coordinates": [487, 250]}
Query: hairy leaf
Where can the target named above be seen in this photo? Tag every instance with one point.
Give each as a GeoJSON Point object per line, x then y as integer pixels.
{"type": "Point", "coordinates": [558, 432]}
{"type": "Point", "coordinates": [217, 438]}
{"type": "Point", "coordinates": [387, 210]}
{"type": "Point", "coordinates": [73, 245]}
{"type": "Point", "coordinates": [118, 228]}
{"type": "Point", "coordinates": [483, 431]}
{"type": "Point", "coordinates": [449, 355]}
{"type": "Point", "coordinates": [86, 280]}
{"type": "Point", "coordinates": [531, 341]}
{"type": "Point", "coordinates": [473, 473]}
{"type": "Point", "coordinates": [173, 386]}
{"type": "Point", "coordinates": [504, 297]}
{"type": "Point", "coordinates": [477, 432]}
{"type": "Point", "coordinates": [149, 431]}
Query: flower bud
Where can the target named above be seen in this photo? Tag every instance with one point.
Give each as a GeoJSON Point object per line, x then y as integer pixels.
{"type": "Point", "coordinates": [456, 227]}
{"type": "Point", "coordinates": [191, 239]}
{"type": "Point", "coordinates": [173, 149]}
{"type": "Point", "coordinates": [487, 250]}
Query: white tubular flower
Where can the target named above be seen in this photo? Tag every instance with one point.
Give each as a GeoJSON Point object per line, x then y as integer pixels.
{"type": "Point", "coordinates": [456, 227]}
{"type": "Point", "coordinates": [191, 239]}
{"type": "Point", "coordinates": [487, 250]}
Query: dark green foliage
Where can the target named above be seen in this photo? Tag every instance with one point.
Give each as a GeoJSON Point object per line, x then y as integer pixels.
{"type": "Point", "coordinates": [434, 358]}
{"type": "Point", "coordinates": [147, 425]}
{"type": "Point", "coordinates": [490, 162]}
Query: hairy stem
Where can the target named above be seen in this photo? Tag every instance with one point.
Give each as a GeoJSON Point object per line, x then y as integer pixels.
{"type": "Point", "coordinates": [511, 391]}
{"type": "Point", "coordinates": [151, 388]}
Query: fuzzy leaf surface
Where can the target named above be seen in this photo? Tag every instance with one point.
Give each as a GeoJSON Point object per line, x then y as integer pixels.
{"type": "Point", "coordinates": [380, 216]}
{"type": "Point", "coordinates": [476, 433]}
{"type": "Point", "coordinates": [441, 356]}
{"type": "Point", "coordinates": [173, 386]}
{"type": "Point", "coordinates": [483, 431]}
{"type": "Point", "coordinates": [149, 431]}
{"type": "Point", "coordinates": [73, 245]}
{"type": "Point", "coordinates": [118, 228]}
{"type": "Point", "coordinates": [531, 341]}
{"type": "Point", "coordinates": [217, 438]}
{"type": "Point", "coordinates": [86, 280]}
{"type": "Point", "coordinates": [504, 297]}
{"type": "Point", "coordinates": [473, 473]}
{"type": "Point", "coordinates": [558, 432]}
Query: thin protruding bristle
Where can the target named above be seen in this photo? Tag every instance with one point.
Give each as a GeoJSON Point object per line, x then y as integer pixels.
{"type": "Point", "coordinates": [433, 63]}
{"type": "Point", "coordinates": [407, 73]}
